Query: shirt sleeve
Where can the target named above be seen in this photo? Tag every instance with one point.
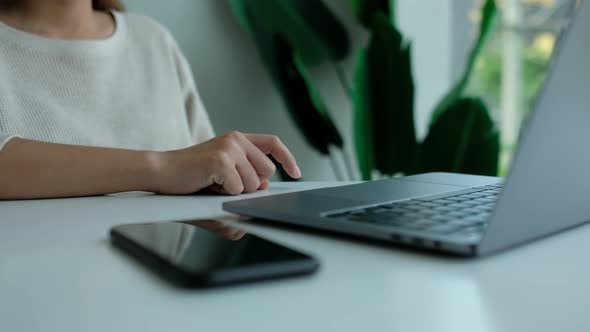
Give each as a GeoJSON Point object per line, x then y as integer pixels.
{"type": "Point", "coordinates": [198, 119]}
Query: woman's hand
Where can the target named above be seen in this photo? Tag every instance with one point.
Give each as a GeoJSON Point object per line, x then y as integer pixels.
{"type": "Point", "coordinates": [231, 164]}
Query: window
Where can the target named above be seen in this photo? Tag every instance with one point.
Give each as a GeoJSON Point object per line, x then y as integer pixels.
{"type": "Point", "coordinates": [511, 70]}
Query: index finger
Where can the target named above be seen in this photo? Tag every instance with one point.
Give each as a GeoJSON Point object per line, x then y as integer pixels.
{"type": "Point", "coordinates": [272, 145]}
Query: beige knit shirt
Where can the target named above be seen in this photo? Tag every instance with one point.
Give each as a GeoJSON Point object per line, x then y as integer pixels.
{"type": "Point", "coordinates": [132, 90]}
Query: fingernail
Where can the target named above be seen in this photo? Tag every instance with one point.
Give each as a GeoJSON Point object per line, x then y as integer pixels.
{"type": "Point", "coordinates": [297, 172]}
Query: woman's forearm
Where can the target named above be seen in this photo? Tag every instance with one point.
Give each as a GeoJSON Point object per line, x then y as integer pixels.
{"type": "Point", "coordinates": [32, 169]}
{"type": "Point", "coordinates": [232, 164]}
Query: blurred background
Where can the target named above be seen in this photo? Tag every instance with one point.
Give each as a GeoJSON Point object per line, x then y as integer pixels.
{"type": "Point", "coordinates": [239, 94]}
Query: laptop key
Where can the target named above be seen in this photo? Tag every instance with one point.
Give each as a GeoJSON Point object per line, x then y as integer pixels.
{"type": "Point", "coordinates": [472, 203]}
{"type": "Point", "coordinates": [470, 197]}
{"type": "Point", "coordinates": [490, 199]}
{"type": "Point", "coordinates": [412, 214]}
{"type": "Point", "coordinates": [472, 210]}
{"type": "Point", "coordinates": [492, 191]}
{"type": "Point", "coordinates": [427, 204]}
{"type": "Point", "coordinates": [397, 210]}
{"type": "Point", "coordinates": [441, 218]}
{"type": "Point", "coordinates": [443, 209]}
{"type": "Point", "coordinates": [458, 206]}
{"type": "Point", "coordinates": [457, 214]}
{"type": "Point", "coordinates": [456, 199]}
{"type": "Point", "coordinates": [428, 213]}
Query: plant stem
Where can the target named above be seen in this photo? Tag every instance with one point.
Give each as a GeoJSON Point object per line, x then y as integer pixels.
{"type": "Point", "coordinates": [348, 164]}
{"type": "Point", "coordinates": [348, 91]}
{"type": "Point", "coordinates": [335, 167]}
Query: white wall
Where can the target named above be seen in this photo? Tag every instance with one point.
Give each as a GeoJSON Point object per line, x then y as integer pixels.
{"type": "Point", "coordinates": [238, 92]}
{"type": "Point", "coordinates": [463, 35]}
{"type": "Point", "coordinates": [428, 24]}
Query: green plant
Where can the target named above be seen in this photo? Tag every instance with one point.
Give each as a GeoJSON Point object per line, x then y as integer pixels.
{"type": "Point", "coordinates": [384, 132]}
{"type": "Point", "coordinates": [293, 34]}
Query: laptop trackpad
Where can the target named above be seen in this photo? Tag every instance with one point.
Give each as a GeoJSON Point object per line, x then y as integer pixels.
{"type": "Point", "coordinates": [385, 190]}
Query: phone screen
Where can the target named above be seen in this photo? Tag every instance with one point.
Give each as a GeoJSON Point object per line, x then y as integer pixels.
{"type": "Point", "coordinates": [209, 252]}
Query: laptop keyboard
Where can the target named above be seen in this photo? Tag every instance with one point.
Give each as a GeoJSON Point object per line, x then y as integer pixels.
{"type": "Point", "coordinates": [464, 212]}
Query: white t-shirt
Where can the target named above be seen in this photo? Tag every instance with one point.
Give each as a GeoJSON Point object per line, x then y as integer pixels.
{"type": "Point", "coordinates": [133, 90]}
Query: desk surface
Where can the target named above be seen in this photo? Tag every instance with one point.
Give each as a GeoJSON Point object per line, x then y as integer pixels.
{"type": "Point", "coordinates": [59, 273]}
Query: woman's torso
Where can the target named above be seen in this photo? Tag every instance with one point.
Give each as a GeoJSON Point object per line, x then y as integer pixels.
{"type": "Point", "coordinates": [124, 91]}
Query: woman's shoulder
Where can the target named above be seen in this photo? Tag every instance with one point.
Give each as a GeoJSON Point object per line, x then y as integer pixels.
{"type": "Point", "coordinates": [145, 29]}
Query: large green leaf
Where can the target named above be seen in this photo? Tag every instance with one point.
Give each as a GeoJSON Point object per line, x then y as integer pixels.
{"type": "Point", "coordinates": [464, 139]}
{"type": "Point", "coordinates": [325, 26]}
{"type": "Point", "coordinates": [489, 14]}
{"type": "Point", "coordinates": [365, 10]}
{"type": "Point", "coordinates": [240, 11]}
{"type": "Point", "coordinates": [362, 120]}
{"type": "Point", "coordinates": [384, 102]}
{"type": "Point", "coordinates": [313, 30]}
{"type": "Point", "coordinates": [303, 101]}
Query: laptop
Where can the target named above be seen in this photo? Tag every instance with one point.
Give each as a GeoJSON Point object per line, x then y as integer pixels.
{"type": "Point", "coordinates": [547, 190]}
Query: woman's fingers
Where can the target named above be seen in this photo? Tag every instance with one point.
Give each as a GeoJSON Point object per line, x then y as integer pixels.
{"type": "Point", "coordinates": [231, 181]}
{"type": "Point", "coordinates": [219, 189]}
{"type": "Point", "coordinates": [264, 185]}
{"type": "Point", "coordinates": [263, 166]}
{"type": "Point", "coordinates": [250, 179]}
{"type": "Point", "coordinates": [272, 145]}
{"type": "Point", "coordinates": [239, 162]}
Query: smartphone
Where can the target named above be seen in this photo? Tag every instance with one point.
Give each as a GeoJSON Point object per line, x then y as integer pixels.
{"type": "Point", "coordinates": [208, 253]}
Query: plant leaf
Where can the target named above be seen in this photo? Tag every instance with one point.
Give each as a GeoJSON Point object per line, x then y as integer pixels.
{"type": "Point", "coordinates": [325, 26]}
{"type": "Point", "coordinates": [362, 121]}
{"type": "Point", "coordinates": [240, 11]}
{"type": "Point", "coordinates": [365, 10]}
{"type": "Point", "coordinates": [464, 139]}
{"type": "Point", "coordinates": [309, 25]}
{"type": "Point", "coordinates": [393, 12]}
{"type": "Point", "coordinates": [384, 102]}
{"type": "Point", "coordinates": [330, 130]}
{"type": "Point", "coordinates": [489, 14]}
{"type": "Point", "coordinates": [302, 100]}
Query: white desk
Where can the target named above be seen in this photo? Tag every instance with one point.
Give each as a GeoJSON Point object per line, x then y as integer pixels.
{"type": "Point", "coordinates": [59, 273]}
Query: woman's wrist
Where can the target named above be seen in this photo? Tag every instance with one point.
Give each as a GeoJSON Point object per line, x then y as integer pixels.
{"type": "Point", "coordinates": [154, 165]}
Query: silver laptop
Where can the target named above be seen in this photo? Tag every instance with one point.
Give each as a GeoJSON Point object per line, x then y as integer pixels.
{"type": "Point", "coordinates": [547, 191]}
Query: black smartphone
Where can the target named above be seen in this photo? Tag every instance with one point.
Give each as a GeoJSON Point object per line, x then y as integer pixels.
{"type": "Point", "coordinates": [208, 253]}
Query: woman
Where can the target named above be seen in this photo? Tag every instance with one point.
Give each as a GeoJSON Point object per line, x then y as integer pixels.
{"type": "Point", "coordinates": [94, 101]}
